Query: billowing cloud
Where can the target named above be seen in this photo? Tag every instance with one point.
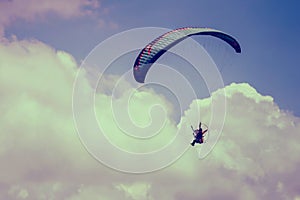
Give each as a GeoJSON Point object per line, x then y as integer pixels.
{"type": "Point", "coordinates": [33, 10]}
{"type": "Point", "coordinates": [42, 157]}
{"type": "Point", "coordinates": [138, 191]}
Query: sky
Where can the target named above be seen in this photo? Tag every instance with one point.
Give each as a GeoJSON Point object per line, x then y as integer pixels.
{"type": "Point", "coordinates": [75, 125]}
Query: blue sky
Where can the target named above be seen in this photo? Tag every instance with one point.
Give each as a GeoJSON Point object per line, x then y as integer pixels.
{"type": "Point", "coordinates": [267, 30]}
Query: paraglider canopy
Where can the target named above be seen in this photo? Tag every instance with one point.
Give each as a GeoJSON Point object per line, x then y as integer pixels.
{"type": "Point", "coordinates": [163, 43]}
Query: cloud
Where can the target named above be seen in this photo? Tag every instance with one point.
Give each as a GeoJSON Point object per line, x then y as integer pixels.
{"type": "Point", "coordinates": [33, 10]}
{"type": "Point", "coordinates": [42, 157]}
{"type": "Point", "coordinates": [36, 83]}
{"type": "Point", "coordinates": [257, 151]}
{"type": "Point", "coordinates": [136, 191]}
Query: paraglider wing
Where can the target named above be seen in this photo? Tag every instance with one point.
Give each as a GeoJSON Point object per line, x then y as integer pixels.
{"type": "Point", "coordinates": [160, 45]}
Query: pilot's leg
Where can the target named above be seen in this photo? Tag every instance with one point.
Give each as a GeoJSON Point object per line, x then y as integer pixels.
{"type": "Point", "coordinates": [193, 143]}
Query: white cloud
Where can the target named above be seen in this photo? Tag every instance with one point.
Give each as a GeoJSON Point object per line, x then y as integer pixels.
{"type": "Point", "coordinates": [42, 158]}
{"type": "Point", "coordinates": [136, 191]}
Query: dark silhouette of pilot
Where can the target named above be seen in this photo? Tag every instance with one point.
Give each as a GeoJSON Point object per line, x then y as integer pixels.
{"type": "Point", "coordinates": [198, 134]}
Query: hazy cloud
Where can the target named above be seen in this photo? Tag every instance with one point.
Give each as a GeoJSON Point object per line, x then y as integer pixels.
{"type": "Point", "coordinates": [34, 10]}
